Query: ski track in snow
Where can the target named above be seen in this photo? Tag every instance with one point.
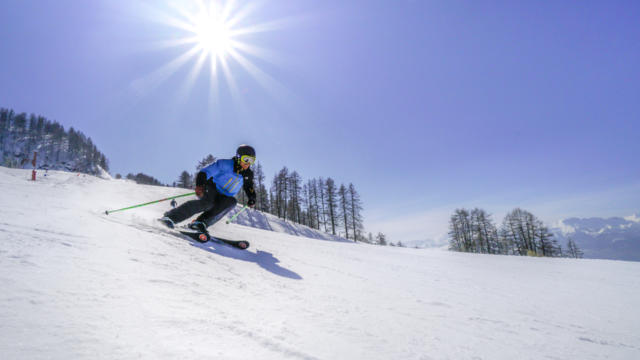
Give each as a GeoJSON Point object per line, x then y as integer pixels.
{"type": "Point", "coordinates": [79, 284]}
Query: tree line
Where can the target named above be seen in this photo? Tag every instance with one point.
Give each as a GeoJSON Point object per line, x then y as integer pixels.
{"type": "Point", "coordinates": [318, 203]}
{"type": "Point", "coordinates": [521, 233]}
{"type": "Point", "coordinates": [58, 149]}
{"type": "Point", "coordinates": [141, 178]}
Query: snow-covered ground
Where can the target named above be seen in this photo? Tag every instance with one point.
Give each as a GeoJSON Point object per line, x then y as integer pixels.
{"type": "Point", "coordinates": [77, 284]}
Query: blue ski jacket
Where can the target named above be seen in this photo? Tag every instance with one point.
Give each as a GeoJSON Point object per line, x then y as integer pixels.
{"type": "Point", "coordinates": [223, 174]}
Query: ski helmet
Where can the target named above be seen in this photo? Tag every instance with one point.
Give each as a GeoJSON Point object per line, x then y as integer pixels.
{"type": "Point", "coordinates": [245, 150]}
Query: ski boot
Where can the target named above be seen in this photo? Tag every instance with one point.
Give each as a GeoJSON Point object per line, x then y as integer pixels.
{"type": "Point", "coordinates": [201, 229]}
{"type": "Point", "coordinates": [167, 222]}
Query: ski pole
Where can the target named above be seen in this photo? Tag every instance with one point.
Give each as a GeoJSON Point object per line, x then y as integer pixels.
{"type": "Point", "coordinates": [148, 203]}
{"type": "Point", "coordinates": [236, 215]}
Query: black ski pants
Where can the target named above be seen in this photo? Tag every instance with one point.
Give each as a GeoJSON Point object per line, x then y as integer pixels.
{"type": "Point", "coordinates": [213, 206]}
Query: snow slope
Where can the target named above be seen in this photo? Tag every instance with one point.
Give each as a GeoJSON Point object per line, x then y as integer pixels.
{"type": "Point", "coordinates": [77, 284]}
{"type": "Point", "coordinates": [264, 221]}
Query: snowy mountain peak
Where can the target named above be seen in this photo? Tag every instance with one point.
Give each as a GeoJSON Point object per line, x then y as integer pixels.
{"type": "Point", "coordinates": [633, 218]}
{"type": "Point", "coordinates": [564, 228]}
{"type": "Point", "coordinates": [610, 238]}
{"type": "Point", "coordinates": [596, 225]}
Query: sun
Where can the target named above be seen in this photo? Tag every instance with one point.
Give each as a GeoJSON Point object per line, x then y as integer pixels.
{"type": "Point", "coordinates": [212, 34]}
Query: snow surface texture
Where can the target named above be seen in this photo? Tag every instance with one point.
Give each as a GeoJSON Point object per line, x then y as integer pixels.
{"type": "Point", "coordinates": [77, 284]}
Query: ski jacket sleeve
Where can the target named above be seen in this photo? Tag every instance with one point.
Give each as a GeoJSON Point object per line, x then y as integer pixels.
{"type": "Point", "coordinates": [211, 171]}
{"type": "Point", "coordinates": [248, 185]}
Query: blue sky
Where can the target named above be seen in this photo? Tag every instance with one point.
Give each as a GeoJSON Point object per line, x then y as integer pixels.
{"type": "Point", "coordinates": [424, 106]}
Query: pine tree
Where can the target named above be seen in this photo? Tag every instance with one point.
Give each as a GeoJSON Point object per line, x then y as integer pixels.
{"type": "Point", "coordinates": [185, 180]}
{"type": "Point", "coordinates": [547, 244]}
{"type": "Point", "coordinates": [573, 251]}
{"type": "Point", "coordinates": [315, 194]}
{"type": "Point", "coordinates": [460, 237]}
{"type": "Point", "coordinates": [262, 197]}
{"type": "Point", "coordinates": [355, 205]}
{"type": "Point", "coordinates": [381, 239]}
{"type": "Point", "coordinates": [280, 193]}
{"type": "Point", "coordinates": [323, 202]}
{"type": "Point", "coordinates": [332, 203]}
{"type": "Point", "coordinates": [343, 209]}
{"type": "Point", "coordinates": [524, 234]}
{"type": "Point", "coordinates": [295, 187]}
{"type": "Point", "coordinates": [484, 232]}
{"type": "Point", "coordinates": [307, 203]}
{"type": "Point", "coordinates": [206, 161]}
{"type": "Point", "coordinates": [40, 128]}
{"type": "Point", "coordinates": [20, 123]}
{"type": "Point", "coordinates": [32, 134]}
{"type": "Point", "coordinates": [104, 163]}
{"type": "Point", "coordinates": [473, 231]}
{"type": "Point", "coordinates": [518, 230]}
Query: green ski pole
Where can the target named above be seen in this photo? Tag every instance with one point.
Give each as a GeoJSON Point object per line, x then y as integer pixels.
{"type": "Point", "coordinates": [236, 215]}
{"type": "Point", "coordinates": [148, 203]}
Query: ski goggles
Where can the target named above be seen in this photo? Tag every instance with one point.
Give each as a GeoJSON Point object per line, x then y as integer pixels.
{"type": "Point", "coordinates": [247, 159]}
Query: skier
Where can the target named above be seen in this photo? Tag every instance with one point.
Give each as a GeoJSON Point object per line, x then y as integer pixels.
{"type": "Point", "coordinates": [174, 203]}
{"type": "Point", "coordinates": [216, 187]}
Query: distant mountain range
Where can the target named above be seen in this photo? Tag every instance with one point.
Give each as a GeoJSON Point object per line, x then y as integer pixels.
{"type": "Point", "coordinates": [613, 238]}
{"type": "Point", "coordinates": [427, 243]}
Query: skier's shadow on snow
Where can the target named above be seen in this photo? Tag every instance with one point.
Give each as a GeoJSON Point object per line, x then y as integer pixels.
{"type": "Point", "coordinates": [264, 259]}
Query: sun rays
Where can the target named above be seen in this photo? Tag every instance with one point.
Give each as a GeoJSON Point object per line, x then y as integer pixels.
{"type": "Point", "coordinates": [213, 34]}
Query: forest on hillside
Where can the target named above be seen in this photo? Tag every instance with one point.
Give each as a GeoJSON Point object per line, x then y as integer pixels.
{"type": "Point", "coordinates": [57, 149]}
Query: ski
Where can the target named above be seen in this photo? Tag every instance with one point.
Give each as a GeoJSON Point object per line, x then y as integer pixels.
{"type": "Point", "coordinates": [204, 237]}
{"type": "Point", "coordinates": [240, 244]}
{"type": "Point", "coordinates": [199, 237]}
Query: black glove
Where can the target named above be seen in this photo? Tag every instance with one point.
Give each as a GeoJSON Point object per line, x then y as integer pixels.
{"type": "Point", "coordinates": [251, 203]}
